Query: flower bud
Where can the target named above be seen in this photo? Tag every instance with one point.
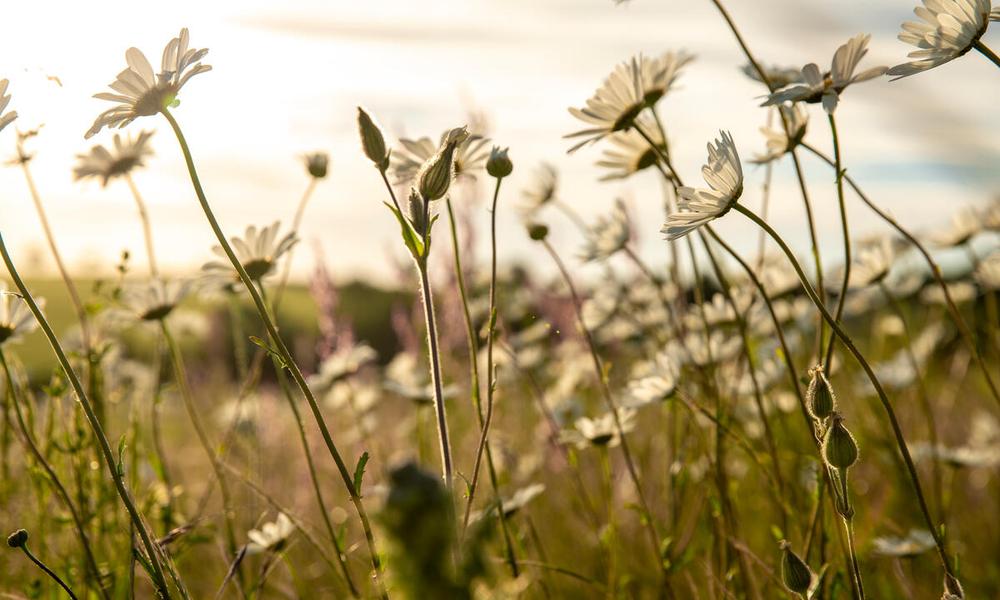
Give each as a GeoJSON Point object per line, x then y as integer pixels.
{"type": "Point", "coordinates": [416, 210]}
{"type": "Point", "coordinates": [538, 231]}
{"type": "Point", "coordinates": [317, 164]}
{"type": "Point", "coordinates": [372, 141]}
{"type": "Point", "coordinates": [436, 174]}
{"type": "Point", "coordinates": [839, 448]}
{"type": "Point", "coordinates": [819, 396]}
{"type": "Point", "coordinates": [952, 589]}
{"type": "Point", "coordinates": [498, 165]}
{"type": "Point", "coordinates": [795, 573]}
{"type": "Point", "coordinates": [17, 539]}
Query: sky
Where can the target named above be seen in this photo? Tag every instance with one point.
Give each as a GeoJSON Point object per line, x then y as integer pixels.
{"type": "Point", "coordinates": [287, 77]}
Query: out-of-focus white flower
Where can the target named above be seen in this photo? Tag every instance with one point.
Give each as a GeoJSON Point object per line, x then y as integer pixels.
{"type": "Point", "coordinates": [271, 536]}
{"type": "Point", "coordinates": [601, 431]}
{"type": "Point", "coordinates": [631, 152]}
{"type": "Point", "coordinates": [960, 292]}
{"type": "Point", "coordinates": [140, 93]}
{"type": "Point", "coordinates": [965, 224]}
{"type": "Point", "coordinates": [341, 364]}
{"type": "Point", "coordinates": [101, 163]}
{"type": "Point", "coordinates": [779, 141]}
{"type": "Point", "coordinates": [827, 87]}
{"type": "Point", "coordinates": [608, 235]}
{"type": "Point", "coordinates": [545, 184]}
{"type": "Point", "coordinates": [949, 29]}
{"type": "Point", "coordinates": [16, 319]}
{"type": "Point", "coordinates": [914, 543]}
{"type": "Point", "coordinates": [514, 503]}
{"type": "Point", "coordinates": [657, 382]}
{"type": "Point", "coordinates": [258, 251]}
{"type": "Point", "coordinates": [405, 377]}
{"type": "Point", "coordinates": [154, 300]}
{"type": "Point", "coordinates": [5, 119]}
{"type": "Point", "coordinates": [873, 263]}
{"type": "Point", "coordinates": [988, 272]}
{"type": "Point", "coordinates": [659, 73]}
{"type": "Point", "coordinates": [470, 156]}
{"type": "Point", "coordinates": [777, 75]}
{"type": "Point", "coordinates": [724, 176]}
{"type": "Point", "coordinates": [614, 106]}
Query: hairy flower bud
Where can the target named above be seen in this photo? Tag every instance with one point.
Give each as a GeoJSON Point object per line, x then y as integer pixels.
{"type": "Point", "coordinates": [317, 164]}
{"type": "Point", "coordinates": [538, 231]}
{"type": "Point", "coordinates": [795, 573]}
{"type": "Point", "coordinates": [416, 210]}
{"type": "Point", "coordinates": [17, 539]}
{"type": "Point", "coordinates": [372, 140]}
{"type": "Point", "coordinates": [839, 448]}
{"type": "Point", "coordinates": [436, 174]}
{"type": "Point", "coordinates": [819, 396]}
{"type": "Point", "coordinates": [498, 165]}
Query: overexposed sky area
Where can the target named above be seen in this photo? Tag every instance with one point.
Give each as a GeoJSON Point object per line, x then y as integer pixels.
{"type": "Point", "coordinates": [287, 77]}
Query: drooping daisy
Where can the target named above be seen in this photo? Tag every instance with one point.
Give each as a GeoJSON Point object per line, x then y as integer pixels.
{"type": "Point", "coordinates": [631, 152]}
{"type": "Point", "coordinates": [873, 263]}
{"type": "Point", "coordinates": [827, 87]}
{"type": "Point", "coordinates": [155, 300]}
{"type": "Point", "coordinates": [101, 163]}
{"type": "Point", "coordinates": [614, 106]}
{"type": "Point", "coordinates": [543, 188]}
{"type": "Point", "coordinates": [258, 251]}
{"type": "Point", "coordinates": [5, 119]}
{"type": "Point", "coordinates": [778, 76]}
{"type": "Point", "coordinates": [780, 141]}
{"type": "Point", "coordinates": [16, 319]}
{"type": "Point", "coordinates": [470, 156]}
{"type": "Point", "coordinates": [601, 432]}
{"type": "Point", "coordinates": [271, 536]}
{"type": "Point", "coordinates": [659, 73]}
{"type": "Point", "coordinates": [141, 93]}
{"type": "Point", "coordinates": [724, 176]}
{"type": "Point", "coordinates": [949, 29]}
{"type": "Point", "coordinates": [608, 235]}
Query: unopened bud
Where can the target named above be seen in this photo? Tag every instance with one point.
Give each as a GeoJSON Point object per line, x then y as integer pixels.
{"type": "Point", "coordinates": [17, 539]}
{"type": "Point", "coordinates": [795, 573]}
{"type": "Point", "coordinates": [436, 174]}
{"type": "Point", "coordinates": [819, 396]}
{"type": "Point", "coordinates": [317, 164]}
{"type": "Point", "coordinates": [499, 165]}
{"type": "Point", "coordinates": [372, 140]}
{"type": "Point", "coordinates": [416, 209]}
{"type": "Point", "coordinates": [839, 448]}
{"type": "Point", "coordinates": [538, 231]}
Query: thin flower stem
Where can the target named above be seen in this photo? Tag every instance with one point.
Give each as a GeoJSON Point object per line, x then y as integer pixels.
{"type": "Point", "coordinates": [48, 571]}
{"type": "Point", "coordinates": [106, 453]}
{"type": "Point", "coordinates": [848, 518]}
{"type": "Point", "coordinates": [183, 385]}
{"type": "Point", "coordinates": [746, 50]}
{"type": "Point", "coordinates": [64, 496]}
{"type": "Point", "coordinates": [883, 398]}
{"type": "Point", "coordinates": [845, 231]}
{"type": "Point", "coordinates": [284, 353]}
{"type": "Point", "coordinates": [476, 398]}
{"type": "Point", "coordinates": [987, 52]}
{"type": "Point", "coordinates": [296, 223]}
{"type": "Point", "coordinates": [647, 517]}
{"type": "Point", "coordinates": [435, 360]}
{"type": "Point", "coordinates": [814, 242]}
{"type": "Point", "coordinates": [956, 315]}
{"type": "Point", "coordinates": [147, 231]}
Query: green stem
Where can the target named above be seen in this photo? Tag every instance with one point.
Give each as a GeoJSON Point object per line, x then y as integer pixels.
{"type": "Point", "coordinates": [283, 352]}
{"type": "Point", "coordinates": [48, 571]}
{"type": "Point", "coordinates": [842, 298]}
{"type": "Point", "coordinates": [29, 441]}
{"type": "Point", "coordinates": [435, 360]}
{"type": "Point", "coordinates": [95, 424]}
{"type": "Point", "coordinates": [883, 398]}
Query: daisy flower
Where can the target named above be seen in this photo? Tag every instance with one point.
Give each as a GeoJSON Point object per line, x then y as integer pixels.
{"type": "Point", "coordinates": [779, 141]}
{"type": "Point", "coordinates": [542, 190]}
{"type": "Point", "coordinates": [778, 76]}
{"type": "Point", "coordinates": [342, 363]}
{"type": "Point", "coordinates": [873, 263]}
{"type": "Point", "coordinates": [965, 224]}
{"type": "Point", "coordinates": [827, 87]}
{"type": "Point", "coordinates": [105, 164]}
{"type": "Point", "coordinates": [601, 431]}
{"type": "Point", "coordinates": [141, 93]}
{"type": "Point", "coordinates": [614, 106]}
{"type": "Point", "coordinates": [988, 272]}
{"type": "Point", "coordinates": [155, 300]}
{"type": "Point", "coordinates": [470, 156]}
{"type": "Point", "coordinates": [660, 73]}
{"type": "Point", "coordinates": [258, 251]}
{"type": "Point", "coordinates": [607, 235]}
{"type": "Point", "coordinates": [5, 119]}
{"type": "Point", "coordinates": [16, 319]}
{"type": "Point", "coordinates": [272, 536]}
{"type": "Point", "coordinates": [631, 152]}
{"type": "Point", "coordinates": [657, 384]}
{"type": "Point", "coordinates": [724, 176]}
{"type": "Point", "coordinates": [949, 29]}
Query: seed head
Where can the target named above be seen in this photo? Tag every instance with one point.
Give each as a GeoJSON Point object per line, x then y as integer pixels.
{"type": "Point", "coordinates": [538, 231]}
{"type": "Point", "coordinates": [17, 539]}
{"type": "Point", "coordinates": [819, 397]}
{"type": "Point", "coordinates": [795, 573]}
{"type": "Point", "coordinates": [840, 451]}
{"type": "Point", "coordinates": [436, 174]}
{"type": "Point", "coordinates": [372, 141]}
{"type": "Point", "coordinates": [499, 165]}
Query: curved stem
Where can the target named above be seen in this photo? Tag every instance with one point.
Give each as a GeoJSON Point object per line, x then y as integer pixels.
{"type": "Point", "coordinates": [106, 453]}
{"type": "Point", "coordinates": [845, 231]}
{"type": "Point", "coordinates": [284, 353]}
{"type": "Point", "coordinates": [29, 441]}
{"type": "Point", "coordinates": [883, 398]}
{"type": "Point", "coordinates": [956, 315]}
{"type": "Point", "coordinates": [48, 571]}
{"type": "Point", "coordinates": [147, 231]}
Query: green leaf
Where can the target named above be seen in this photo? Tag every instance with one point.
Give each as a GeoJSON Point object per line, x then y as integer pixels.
{"type": "Point", "coordinates": [269, 349]}
{"type": "Point", "coordinates": [359, 472]}
{"type": "Point", "coordinates": [120, 467]}
{"type": "Point", "coordinates": [410, 237]}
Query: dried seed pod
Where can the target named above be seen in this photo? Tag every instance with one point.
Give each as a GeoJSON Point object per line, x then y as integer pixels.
{"type": "Point", "coordinates": [17, 539]}
{"type": "Point", "coordinates": [840, 451]}
{"type": "Point", "coordinates": [819, 396]}
{"type": "Point", "coordinates": [795, 573]}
